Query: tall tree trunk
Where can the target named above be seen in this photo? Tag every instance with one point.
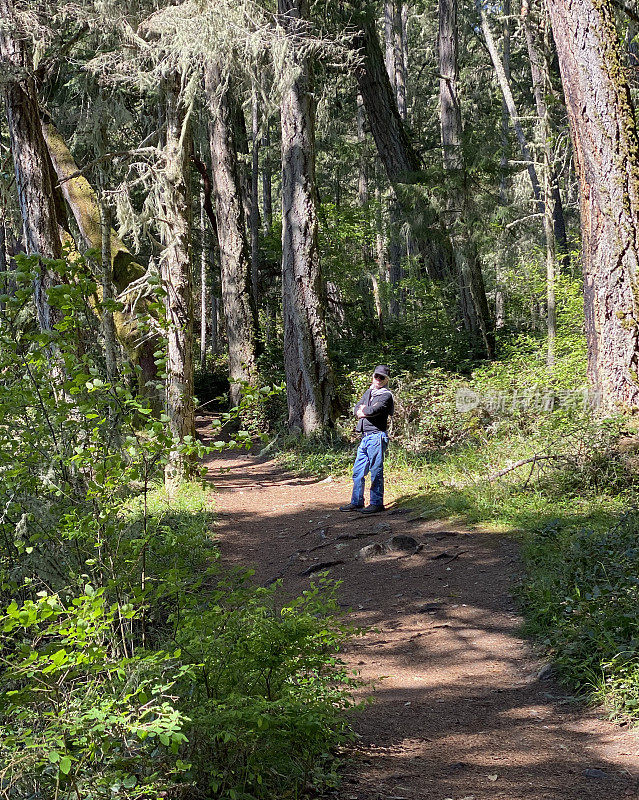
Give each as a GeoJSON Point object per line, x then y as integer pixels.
{"type": "Point", "coordinates": [404, 23]}
{"type": "Point", "coordinates": [510, 102]}
{"type": "Point", "coordinates": [606, 147]}
{"type": "Point", "coordinates": [393, 143]}
{"type": "Point", "coordinates": [309, 378]}
{"type": "Point", "coordinates": [108, 324]}
{"type": "Point", "coordinates": [235, 263]}
{"type": "Point", "coordinates": [475, 306]}
{"type": "Point", "coordinates": [379, 311]}
{"type": "Point", "coordinates": [394, 147]}
{"type": "Point", "coordinates": [204, 277]}
{"type": "Point", "coordinates": [362, 175]}
{"type": "Point", "coordinates": [400, 73]}
{"type": "Point", "coordinates": [242, 147]}
{"type": "Point", "coordinates": [255, 209]}
{"type": "Point", "coordinates": [541, 87]}
{"type": "Point", "coordinates": [381, 238]}
{"type": "Point", "coordinates": [500, 303]}
{"type": "Point", "coordinates": [503, 162]}
{"type": "Point", "coordinates": [215, 302]}
{"type": "Point", "coordinates": [267, 184]}
{"type": "Point", "coordinates": [539, 56]}
{"type": "Point", "coordinates": [395, 271]}
{"type": "Point", "coordinates": [549, 235]}
{"type": "Point", "coordinates": [33, 178]}
{"type": "Point", "coordinates": [176, 278]}
{"type": "Point", "coordinates": [362, 200]}
{"type": "Point", "coordinates": [389, 40]}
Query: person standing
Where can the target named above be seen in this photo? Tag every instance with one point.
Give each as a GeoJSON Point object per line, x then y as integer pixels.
{"type": "Point", "coordinates": [372, 412]}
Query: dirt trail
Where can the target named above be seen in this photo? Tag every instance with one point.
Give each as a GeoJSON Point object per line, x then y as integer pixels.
{"type": "Point", "coordinates": [464, 710]}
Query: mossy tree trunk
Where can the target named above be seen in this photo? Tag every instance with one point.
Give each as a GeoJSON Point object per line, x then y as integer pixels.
{"type": "Point", "coordinates": [28, 150]}
{"type": "Point", "coordinates": [235, 262]}
{"type": "Point", "coordinates": [606, 147]}
{"type": "Point", "coordinates": [309, 377]}
{"type": "Point", "coordinates": [176, 277]}
{"type": "Point", "coordinates": [85, 207]}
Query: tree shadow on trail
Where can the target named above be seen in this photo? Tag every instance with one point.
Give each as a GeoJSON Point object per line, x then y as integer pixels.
{"type": "Point", "coordinates": [460, 708]}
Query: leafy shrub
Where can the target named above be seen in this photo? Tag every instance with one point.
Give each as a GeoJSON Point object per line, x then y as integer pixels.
{"type": "Point", "coordinates": [82, 717]}
{"type": "Point", "coordinates": [248, 704]}
{"type": "Point", "coordinates": [131, 664]}
{"type": "Point", "coordinates": [266, 707]}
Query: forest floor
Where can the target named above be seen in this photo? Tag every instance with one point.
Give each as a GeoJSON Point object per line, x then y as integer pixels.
{"type": "Point", "coordinates": [463, 709]}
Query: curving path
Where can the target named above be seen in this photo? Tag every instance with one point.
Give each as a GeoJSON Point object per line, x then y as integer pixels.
{"type": "Point", "coordinates": [462, 709]}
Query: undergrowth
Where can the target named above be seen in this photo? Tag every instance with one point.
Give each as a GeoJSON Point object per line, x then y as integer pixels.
{"type": "Point", "coordinates": [133, 666]}
{"type": "Point", "coordinates": [567, 501]}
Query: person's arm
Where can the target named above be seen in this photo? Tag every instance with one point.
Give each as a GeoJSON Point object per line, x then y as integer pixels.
{"type": "Point", "coordinates": [359, 405]}
{"type": "Point", "coordinates": [379, 404]}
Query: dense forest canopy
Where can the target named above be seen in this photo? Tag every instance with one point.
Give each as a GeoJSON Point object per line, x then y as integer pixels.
{"type": "Point", "coordinates": [253, 203]}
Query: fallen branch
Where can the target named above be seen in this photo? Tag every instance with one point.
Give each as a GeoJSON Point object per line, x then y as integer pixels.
{"type": "Point", "coordinates": [522, 463]}
{"type": "Point", "coordinates": [452, 558]}
{"type": "Point", "coordinates": [340, 538]}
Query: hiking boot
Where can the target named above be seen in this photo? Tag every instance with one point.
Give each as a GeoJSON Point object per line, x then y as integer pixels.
{"type": "Point", "coordinates": [350, 507]}
{"type": "Point", "coordinates": [372, 509]}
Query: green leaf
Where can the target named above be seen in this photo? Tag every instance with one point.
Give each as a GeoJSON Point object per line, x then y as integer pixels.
{"type": "Point", "coordinates": [59, 657]}
{"type": "Point", "coordinates": [65, 765]}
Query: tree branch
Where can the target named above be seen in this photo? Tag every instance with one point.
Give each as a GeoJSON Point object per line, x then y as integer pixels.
{"type": "Point", "coordinates": [626, 7]}
{"type": "Point", "coordinates": [137, 151]}
{"type": "Point", "coordinates": [200, 166]}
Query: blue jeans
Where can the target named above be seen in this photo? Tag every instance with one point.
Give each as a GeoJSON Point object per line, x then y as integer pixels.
{"type": "Point", "coordinates": [370, 458]}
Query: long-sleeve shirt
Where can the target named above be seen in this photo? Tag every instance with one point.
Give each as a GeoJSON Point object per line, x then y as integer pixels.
{"type": "Point", "coordinates": [378, 405]}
